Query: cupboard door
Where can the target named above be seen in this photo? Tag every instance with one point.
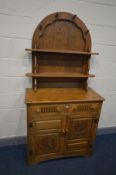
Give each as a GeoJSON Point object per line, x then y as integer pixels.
{"type": "Point", "coordinates": [78, 134]}
{"type": "Point", "coordinates": [44, 145]}
{"type": "Point", "coordinates": [45, 138]}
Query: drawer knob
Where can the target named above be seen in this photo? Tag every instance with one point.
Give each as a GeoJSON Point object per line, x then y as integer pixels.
{"type": "Point", "coordinates": [66, 106]}
{"type": "Point", "coordinates": [63, 131]}
{"type": "Point", "coordinates": [38, 110]}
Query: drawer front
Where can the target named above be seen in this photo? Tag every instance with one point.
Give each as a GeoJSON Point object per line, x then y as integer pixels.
{"type": "Point", "coordinates": [84, 108]}
{"type": "Point", "coordinates": [72, 147]}
{"type": "Point", "coordinates": [36, 111]}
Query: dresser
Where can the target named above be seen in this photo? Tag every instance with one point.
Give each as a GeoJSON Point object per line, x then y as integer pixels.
{"type": "Point", "coordinates": [62, 111]}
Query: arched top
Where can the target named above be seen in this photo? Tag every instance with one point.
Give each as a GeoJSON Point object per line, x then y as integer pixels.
{"type": "Point", "coordinates": [63, 31]}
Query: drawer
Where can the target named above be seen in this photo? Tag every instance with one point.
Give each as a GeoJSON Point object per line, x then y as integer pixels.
{"type": "Point", "coordinates": [84, 108]}
{"type": "Point", "coordinates": [76, 146]}
{"type": "Point", "coordinates": [45, 110]}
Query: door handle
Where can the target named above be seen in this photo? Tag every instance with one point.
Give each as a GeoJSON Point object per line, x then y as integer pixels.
{"type": "Point", "coordinates": [66, 130]}
{"type": "Point", "coordinates": [63, 131]}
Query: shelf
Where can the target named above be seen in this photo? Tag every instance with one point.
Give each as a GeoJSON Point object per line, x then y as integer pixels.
{"type": "Point", "coordinates": [62, 51]}
{"type": "Point", "coordinates": [73, 75]}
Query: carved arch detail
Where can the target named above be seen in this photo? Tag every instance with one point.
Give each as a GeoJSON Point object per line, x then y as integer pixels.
{"type": "Point", "coordinates": [65, 18]}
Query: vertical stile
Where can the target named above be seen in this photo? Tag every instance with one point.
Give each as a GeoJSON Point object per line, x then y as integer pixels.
{"type": "Point", "coordinates": [35, 70]}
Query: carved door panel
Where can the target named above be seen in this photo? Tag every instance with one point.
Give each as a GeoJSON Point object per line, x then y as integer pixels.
{"type": "Point", "coordinates": [45, 138]}
{"type": "Point", "coordinates": [45, 144]}
{"type": "Point", "coordinates": [78, 134]}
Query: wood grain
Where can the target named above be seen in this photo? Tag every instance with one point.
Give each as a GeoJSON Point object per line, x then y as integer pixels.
{"type": "Point", "coordinates": [77, 75]}
{"type": "Point", "coordinates": [61, 120]}
{"type": "Point", "coordinates": [48, 95]}
{"type": "Point", "coordinates": [62, 51]}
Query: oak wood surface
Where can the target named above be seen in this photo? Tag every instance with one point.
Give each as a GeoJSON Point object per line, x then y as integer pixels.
{"type": "Point", "coordinates": [52, 95]}
{"type": "Point", "coordinates": [61, 43]}
{"type": "Point", "coordinates": [62, 51]}
{"type": "Point", "coordinates": [62, 112]}
{"type": "Point", "coordinates": [78, 75]}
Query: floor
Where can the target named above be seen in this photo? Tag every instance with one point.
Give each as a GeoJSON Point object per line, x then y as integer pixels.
{"type": "Point", "coordinates": [103, 161]}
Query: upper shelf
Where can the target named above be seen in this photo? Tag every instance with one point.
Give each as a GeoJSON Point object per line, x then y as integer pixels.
{"type": "Point", "coordinates": [65, 75]}
{"type": "Point", "coordinates": [62, 51]}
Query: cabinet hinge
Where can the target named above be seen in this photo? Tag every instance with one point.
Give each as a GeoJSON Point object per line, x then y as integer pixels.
{"type": "Point", "coordinates": [95, 120]}
{"type": "Point", "coordinates": [30, 124]}
{"type": "Point", "coordinates": [91, 145]}
{"type": "Point", "coordinates": [30, 152]}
